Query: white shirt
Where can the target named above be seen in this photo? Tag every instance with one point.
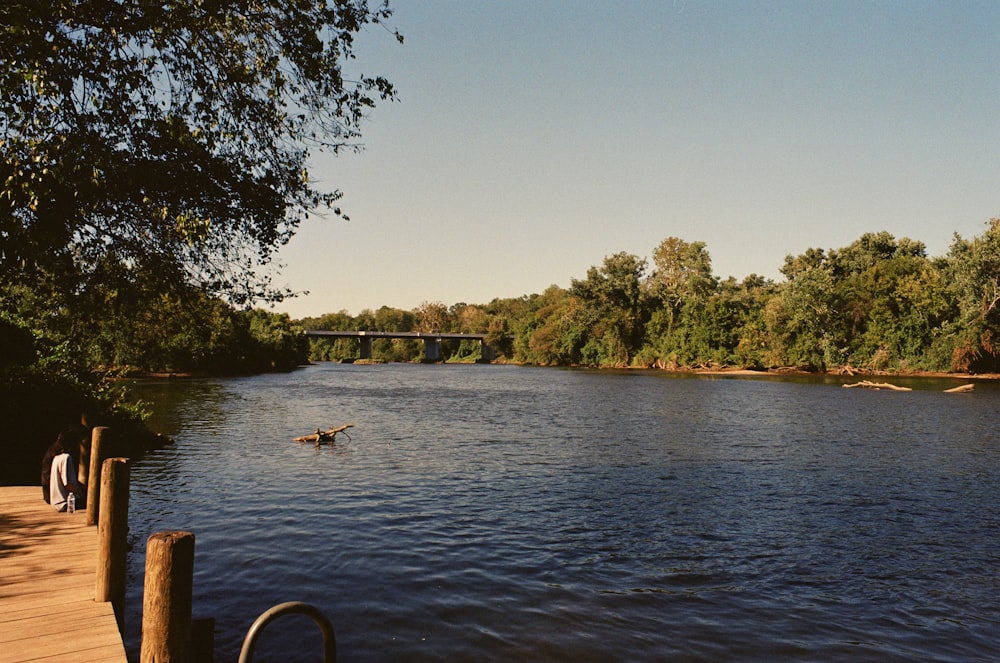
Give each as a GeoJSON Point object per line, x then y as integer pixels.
{"type": "Point", "coordinates": [63, 475]}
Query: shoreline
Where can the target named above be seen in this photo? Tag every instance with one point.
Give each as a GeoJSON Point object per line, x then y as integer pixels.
{"type": "Point", "coordinates": [719, 371]}
{"type": "Point", "coordinates": [746, 372]}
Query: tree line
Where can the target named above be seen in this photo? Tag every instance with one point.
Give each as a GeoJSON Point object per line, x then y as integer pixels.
{"type": "Point", "coordinates": [878, 304]}
{"type": "Point", "coordinates": [61, 356]}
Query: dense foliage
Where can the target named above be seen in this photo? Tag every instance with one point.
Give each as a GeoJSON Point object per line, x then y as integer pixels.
{"type": "Point", "coordinates": [170, 137]}
{"type": "Point", "coordinates": [57, 374]}
{"type": "Point", "coordinates": [879, 304]}
{"type": "Point", "coordinates": [43, 387]}
{"type": "Point", "coordinates": [153, 158]}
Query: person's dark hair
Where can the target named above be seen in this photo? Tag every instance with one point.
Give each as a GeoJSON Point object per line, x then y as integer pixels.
{"type": "Point", "coordinates": [69, 439]}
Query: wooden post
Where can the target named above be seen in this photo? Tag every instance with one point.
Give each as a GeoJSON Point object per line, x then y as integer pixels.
{"type": "Point", "coordinates": [97, 441]}
{"type": "Point", "coordinates": [166, 603]}
{"type": "Point", "coordinates": [112, 536]}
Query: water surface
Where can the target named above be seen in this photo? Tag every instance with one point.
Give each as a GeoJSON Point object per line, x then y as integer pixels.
{"type": "Point", "coordinates": [498, 512]}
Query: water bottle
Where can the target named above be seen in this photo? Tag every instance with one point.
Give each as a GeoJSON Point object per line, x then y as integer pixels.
{"type": "Point", "coordinates": [71, 503]}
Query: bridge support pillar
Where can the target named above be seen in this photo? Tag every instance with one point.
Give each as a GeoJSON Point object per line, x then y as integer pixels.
{"type": "Point", "coordinates": [366, 347]}
{"type": "Point", "coordinates": [487, 355]}
{"type": "Point", "coordinates": [432, 349]}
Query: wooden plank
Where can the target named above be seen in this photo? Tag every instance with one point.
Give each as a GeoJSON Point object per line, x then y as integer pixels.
{"type": "Point", "coordinates": [49, 607]}
{"type": "Point", "coordinates": [107, 654]}
{"type": "Point", "coordinates": [47, 574]}
{"type": "Point", "coordinates": [72, 645]}
{"type": "Point", "coordinates": [57, 575]}
{"type": "Point", "coordinates": [28, 630]}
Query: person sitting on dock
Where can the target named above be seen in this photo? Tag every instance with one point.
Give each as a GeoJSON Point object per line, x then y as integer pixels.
{"type": "Point", "coordinates": [62, 473]}
{"type": "Point", "coordinates": [65, 441]}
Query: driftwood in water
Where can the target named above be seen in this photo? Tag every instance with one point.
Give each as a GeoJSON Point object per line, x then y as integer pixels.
{"type": "Point", "coordinates": [866, 384]}
{"type": "Point", "coordinates": [321, 436]}
{"type": "Point", "coordinates": [964, 389]}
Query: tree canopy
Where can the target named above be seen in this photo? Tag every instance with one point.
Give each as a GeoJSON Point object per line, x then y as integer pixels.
{"type": "Point", "coordinates": [878, 304]}
{"type": "Point", "coordinates": [171, 136]}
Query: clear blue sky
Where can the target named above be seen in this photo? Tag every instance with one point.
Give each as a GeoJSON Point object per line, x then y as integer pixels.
{"type": "Point", "coordinates": [533, 138]}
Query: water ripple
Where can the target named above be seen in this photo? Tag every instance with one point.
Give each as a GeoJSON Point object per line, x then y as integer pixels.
{"type": "Point", "coordinates": [495, 513]}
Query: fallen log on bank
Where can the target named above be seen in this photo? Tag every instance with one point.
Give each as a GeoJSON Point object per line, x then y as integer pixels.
{"type": "Point", "coordinates": [321, 436]}
{"type": "Point", "coordinates": [964, 389]}
{"type": "Point", "coordinates": [867, 384]}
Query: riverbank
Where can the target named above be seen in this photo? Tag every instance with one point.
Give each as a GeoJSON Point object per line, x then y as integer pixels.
{"type": "Point", "coordinates": [681, 370]}
{"type": "Point", "coordinates": [839, 373]}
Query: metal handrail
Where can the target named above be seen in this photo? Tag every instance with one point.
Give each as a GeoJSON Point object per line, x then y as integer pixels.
{"type": "Point", "coordinates": [291, 607]}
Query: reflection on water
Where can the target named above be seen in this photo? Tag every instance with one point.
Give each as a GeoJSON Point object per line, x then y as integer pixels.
{"type": "Point", "coordinates": [494, 512]}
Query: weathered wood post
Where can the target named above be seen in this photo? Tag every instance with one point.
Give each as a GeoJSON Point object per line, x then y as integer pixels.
{"type": "Point", "coordinates": [112, 536]}
{"type": "Point", "coordinates": [167, 595]}
{"type": "Point", "coordinates": [98, 439]}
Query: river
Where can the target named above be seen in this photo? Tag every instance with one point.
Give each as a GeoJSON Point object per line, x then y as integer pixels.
{"type": "Point", "coordinates": [499, 512]}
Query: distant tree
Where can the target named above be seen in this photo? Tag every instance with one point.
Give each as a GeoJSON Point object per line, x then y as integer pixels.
{"type": "Point", "coordinates": [556, 331]}
{"type": "Point", "coordinates": [877, 303]}
{"type": "Point", "coordinates": [433, 317]}
{"type": "Point", "coordinates": [499, 337]}
{"type": "Point", "coordinates": [681, 270]}
{"type": "Point", "coordinates": [973, 269]}
{"type": "Point", "coordinates": [339, 321]}
{"type": "Point", "coordinates": [901, 307]}
{"type": "Point", "coordinates": [866, 252]}
{"type": "Point", "coordinates": [394, 319]}
{"type": "Point", "coordinates": [752, 348]}
{"type": "Point", "coordinates": [800, 320]}
{"type": "Point", "coordinates": [523, 317]}
{"type": "Point", "coordinates": [277, 344]}
{"type": "Point", "coordinates": [365, 320]}
{"type": "Point", "coordinates": [680, 288]}
{"type": "Point", "coordinates": [329, 349]}
{"type": "Point", "coordinates": [796, 265]}
{"type": "Point", "coordinates": [613, 310]}
{"type": "Point", "coordinates": [470, 319]}
{"type": "Point", "coordinates": [682, 274]}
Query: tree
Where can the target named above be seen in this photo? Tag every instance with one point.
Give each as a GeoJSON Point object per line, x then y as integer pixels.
{"type": "Point", "coordinates": [432, 317]}
{"type": "Point", "coordinates": [800, 320]}
{"type": "Point", "coordinates": [973, 267]}
{"type": "Point", "coordinates": [877, 303]}
{"type": "Point", "coordinates": [171, 136]}
{"type": "Point", "coordinates": [682, 273]}
{"type": "Point", "coordinates": [752, 349]}
{"type": "Point", "coordinates": [394, 319]}
{"type": "Point", "coordinates": [526, 318]}
{"type": "Point", "coordinates": [469, 319]}
{"type": "Point", "coordinates": [681, 284]}
{"type": "Point", "coordinates": [613, 310]}
{"type": "Point", "coordinates": [869, 250]}
{"type": "Point", "coordinates": [554, 333]}
{"type": "Point", "coordinates": [796, 265]}
{"type": "Point", "coordinates": [326, 349]}
{"type": "Point", "coordinates": [902, 303]}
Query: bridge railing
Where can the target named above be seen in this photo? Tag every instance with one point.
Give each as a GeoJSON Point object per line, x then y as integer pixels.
{"type": "Point", "coordinates": [432, 340]}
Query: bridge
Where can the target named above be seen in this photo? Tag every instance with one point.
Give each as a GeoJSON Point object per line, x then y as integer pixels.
{"type": "Point", "coordinates": [432, 341]}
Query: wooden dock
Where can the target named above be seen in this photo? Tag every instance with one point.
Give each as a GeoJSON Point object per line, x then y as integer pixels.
{"type": "Point", "coordinates": [48, 563]}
